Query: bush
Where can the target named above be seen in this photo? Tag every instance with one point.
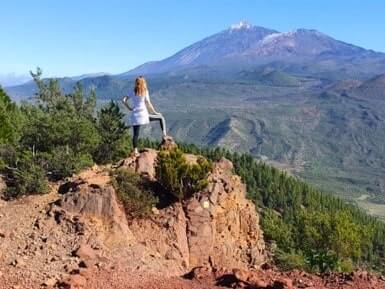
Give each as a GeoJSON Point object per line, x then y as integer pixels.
{"type": "Point", "coordinates": [287, 261]}
{"type": "Point", "coordinates": [25, 177]}
{"type": "Point", "coordinates": [179, 177]}
{"type": "Point", "coordinates": [274, 228]}
{"type": "Point", "coordinates": [115, 142]}
{"type": "Point", "coordinates": [62, 162]}
{"type": "Point", "coordinates": [346, 265]}
{"type": "Point", "coordinates": [132, 192]}
{"type": "Point", "coordinates": [319, 261]}
{"type": "Point", "coordinates": [10, 120]}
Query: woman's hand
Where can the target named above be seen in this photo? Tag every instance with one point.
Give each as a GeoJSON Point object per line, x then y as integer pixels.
{"type": "Point", "coordinates": [125, 102]}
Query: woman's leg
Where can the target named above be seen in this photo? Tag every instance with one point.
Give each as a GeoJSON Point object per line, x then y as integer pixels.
{"type": "Point", "coordinates": [135, 137]}
{"type": "Point", "coordinates": [162, 122]}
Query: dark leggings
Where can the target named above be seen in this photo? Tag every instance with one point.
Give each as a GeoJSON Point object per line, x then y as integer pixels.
{"type": "Point", "coordinates": [153, 117]}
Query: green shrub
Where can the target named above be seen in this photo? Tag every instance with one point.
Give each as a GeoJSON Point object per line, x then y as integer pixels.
{"type": "Point", "coordinates": [275, 229]}
{"type": "Point", "coordinates": [115, 139]}
{"type": "Point", "coordinates": [322, 261]}
{"type": "Point", "coordinates": [287, 261]}
{"type": "Point", "coordinates": [26, 176]}
{"type": "Point", "coordinates": [179, 177]}
{"type": "Point", "coordinates": [346, 265]}
{"type": "Point", "coordinates": [10, 120]}
{"type": "Point", "coordinates": [132, 192]}
{"type": "Point", "coordinates": [62, 162]}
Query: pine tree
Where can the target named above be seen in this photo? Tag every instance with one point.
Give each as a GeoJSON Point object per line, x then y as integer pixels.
{"type": "Point", "coordinates": [115, 143]}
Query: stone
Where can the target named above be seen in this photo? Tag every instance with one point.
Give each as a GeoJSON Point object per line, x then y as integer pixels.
{"type": "Point", "coordinates": [200, 273]}
{"type": "Point", "coordinates": [19, 262]}
{"type": "Point", "coordinates": [249, 277]}
{"type": "Point", "coordinates": [85, 252]}
{"type": "Point", "coordinates": [155, 211]}
{"type": "Point", "coordinates": [50, 282]}
{"type": "Point", "coordinates": [74, 282]}
{"type": "Point", "coordinates": [167, 143]}
{"type": "Point", "coordinates": [92, 196]}
{"type": "Point", "coordinates": [283, 283]}
{"type": "Point", "coordinates": [145, 163]}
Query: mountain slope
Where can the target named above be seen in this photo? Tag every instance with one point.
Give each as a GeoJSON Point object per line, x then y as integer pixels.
{"type": "Point", "coordinates": [213, 49]}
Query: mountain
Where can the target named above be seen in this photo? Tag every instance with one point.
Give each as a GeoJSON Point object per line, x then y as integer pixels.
{"type": "Point", "coordinates": [244, 44]}
{"type": "Point", "coordinates": [88, 75]}
{"type": "Point", "coordinates": [12, 79]}
{"type": "Point", "coordinates": [211, 50]}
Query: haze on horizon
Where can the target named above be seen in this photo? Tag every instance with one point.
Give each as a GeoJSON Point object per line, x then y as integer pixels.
{"type": "Point", "coordinates": [73, 38]}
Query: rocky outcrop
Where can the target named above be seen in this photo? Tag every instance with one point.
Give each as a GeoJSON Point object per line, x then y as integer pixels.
{"type": "Point", "coordinates": [144, 164]}
{"type": "Point", "coordinates": [217, 227]}
{"type": "Point", "coordinates": [90, 194]}
{"type": "Point", "coordinates": [223, 226]}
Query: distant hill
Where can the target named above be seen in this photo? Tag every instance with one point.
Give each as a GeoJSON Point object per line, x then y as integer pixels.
{"type": "Point", "coordinates": [11, 79]}
{"type": "Point", "coordinates": [373, 88]}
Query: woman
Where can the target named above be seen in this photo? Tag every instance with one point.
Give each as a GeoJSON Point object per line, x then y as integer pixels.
{"type": "Point", "coordinates": [141, 105]}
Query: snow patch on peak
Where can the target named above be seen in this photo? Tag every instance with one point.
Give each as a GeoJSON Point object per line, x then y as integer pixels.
{"type": "Point", "coordinates": [241, 25]}
{"type": "Point", "coordinates": [271, 37]}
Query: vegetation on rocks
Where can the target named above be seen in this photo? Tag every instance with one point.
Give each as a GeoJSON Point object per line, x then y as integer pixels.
{"type": "Point", "coordinates": [180, 177]}
{"type": "Point", "coordinates": [132, 192]}
{"type": "Point", "coordinates": [307, 229]}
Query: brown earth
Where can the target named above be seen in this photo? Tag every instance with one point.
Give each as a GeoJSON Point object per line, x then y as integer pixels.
{"type": "Point", "coordinates": [78, 236]}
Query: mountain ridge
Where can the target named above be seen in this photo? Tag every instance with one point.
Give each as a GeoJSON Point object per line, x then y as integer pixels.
{"type": "Point", "coordinates": [254, 43]}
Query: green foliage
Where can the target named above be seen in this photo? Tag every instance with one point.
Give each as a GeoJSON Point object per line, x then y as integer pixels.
{"type": "Point", "coordinates": [290, 260]}
{"type": "Point", "coordinates": [59, 136]}
{"type": "Point", "coordinates": [24, 176]}
{"type": "Point", "coordinates": [346, 266]}
{"type": "Point", "coordinates": [115, 142]}
{"type": "Point", "coordinates": [180, 177]}
{"type": "Point", "coordinates": [322, 261]}
{"type": "Point", "coordinates": [132, 192]}
{"type": "Point", "coordinates": [62, 162]}
{"type": "Point", "coordinates": [10, 120]}
{"type": "Point", "coordinates": [47, 130]}
{"type": "Point", "coordinates": [275, 229]}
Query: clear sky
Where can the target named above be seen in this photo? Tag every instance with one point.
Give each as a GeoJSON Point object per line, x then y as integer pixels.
{"type": "Point", "coordinates": [73, 37]}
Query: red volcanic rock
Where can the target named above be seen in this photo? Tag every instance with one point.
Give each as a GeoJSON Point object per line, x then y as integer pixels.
{"type": "Point", "coordinates": [73, 282]}
{"type": "Point", "coordinates": [85, 252]}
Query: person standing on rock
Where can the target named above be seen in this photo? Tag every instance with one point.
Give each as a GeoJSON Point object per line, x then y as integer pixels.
{"type": "Point", "coordinates": [141, 106]}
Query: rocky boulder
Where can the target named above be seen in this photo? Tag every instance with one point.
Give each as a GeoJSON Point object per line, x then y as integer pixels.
{"type": "Point", "coordinates": [91, 195]}
{"type": "Point", "coordinates": [223, 226]}
{"type": "Point", "coordinates": [217, 227]}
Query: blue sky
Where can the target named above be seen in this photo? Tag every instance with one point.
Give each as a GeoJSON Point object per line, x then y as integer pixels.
{"type": "Point", "coordinates": [73, 37]}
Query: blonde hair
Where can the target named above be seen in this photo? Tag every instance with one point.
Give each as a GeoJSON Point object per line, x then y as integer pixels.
{"type": "Point", "coordinates": [140, 86]}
